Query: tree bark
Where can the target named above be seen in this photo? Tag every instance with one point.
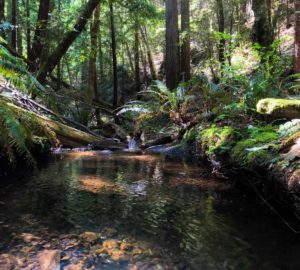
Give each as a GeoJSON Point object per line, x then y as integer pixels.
{"type": "Point", "coordinates": [2, 15]}
{"type": "Point", "coordinates": [137, 56]}
{"type": "Point", "coordinates": [262, 29]}
{"type": "Point", "coordinates": [114, 54]}
{"type": "Point", "coordinates": [185, 47]}
{"type": "Point", "coordinates": [63, 46]}
{"type": "Point", "coordinates": [297, 36]}
{"type": "Point", "coordinates": [92, 83]}
{"type": "Point", "coordinates": [149, 54]}
{"type": "Point", "coordinates": [172, 49]}
{"type": "Point", "coordinates": [28, 38]}
{"type": "Point", "coordinates": [221, 22]}
{"type": "Point", "coordinates": [39, 35]}
{"type": "Point", "coordinates": [14, 24]}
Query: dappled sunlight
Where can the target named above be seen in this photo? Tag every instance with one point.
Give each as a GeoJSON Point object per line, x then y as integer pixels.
{"type": "Point", "coordinates": [97, 184]}
{"type": "Point", "coordinates": [211, 184]}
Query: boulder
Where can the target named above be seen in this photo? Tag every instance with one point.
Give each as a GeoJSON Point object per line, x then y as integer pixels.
{"type": "Point", "coordinates": [279, 108]}
{"type": "Point", "coordinates": [89, 237]}
{"type": "Point", "coordinates": [49, 260]}
{"type": "Point", "coordinates": [8, 262]}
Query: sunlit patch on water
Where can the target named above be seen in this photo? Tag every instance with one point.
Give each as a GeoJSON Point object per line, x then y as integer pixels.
{"type": "Point", "coordinates": [97, 184]}
{"type": "Point", "coordinates": [130, 211]}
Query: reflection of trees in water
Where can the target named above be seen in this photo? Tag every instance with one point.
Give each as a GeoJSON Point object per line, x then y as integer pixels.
{"type": "Point", "coordinates": [207, 241]}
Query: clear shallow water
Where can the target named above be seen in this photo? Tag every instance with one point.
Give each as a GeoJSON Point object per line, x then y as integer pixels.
{"type": "Point", "coordinates": [172, 215]}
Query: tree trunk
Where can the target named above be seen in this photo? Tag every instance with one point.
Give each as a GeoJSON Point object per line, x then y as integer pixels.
{"type": "Point", "coordinates": [59, 65]}
{"type": "Point", "coordinates": [114, 54]}
{"type": "Point", "coordinates": [39, 35]}
{"type": "Point", "coordinates": [53, 59]}
{"type": "Point", "coordinates": [185, 47]}
{"type": "Point", "coordinates": [19, 32]}
{"type": "Point", "coordinates": [2, 15]}
{"type": "Point", "coordinates": [14, 24]}
{"type": "Point", "coordinates": [92, 93]}
{"type": "Point", "coordinates": [137, 56]}
{"type": "Point", "coordinates": [297, 36]}
{"type": "Point", "coordinates": [149, 54]}
{"type": "Point", "coordinates": [262, 29]}
{"type": "Point", "coordinates": [172, 49]}
{"type": "Point", "coordinates": [221, 22]}
{"type": "Point", "coordinates": [28, 38]}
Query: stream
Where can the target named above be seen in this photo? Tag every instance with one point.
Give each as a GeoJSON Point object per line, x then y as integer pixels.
{"type": "Point", "coordinates": [133, 211]}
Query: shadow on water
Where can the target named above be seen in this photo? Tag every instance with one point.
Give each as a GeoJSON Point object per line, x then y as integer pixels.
{"type": "Point", "coordinates": [184, 217]}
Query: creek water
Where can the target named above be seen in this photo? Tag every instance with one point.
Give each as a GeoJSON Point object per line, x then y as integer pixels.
{"type": "Point", "coordinates": [147, 213]}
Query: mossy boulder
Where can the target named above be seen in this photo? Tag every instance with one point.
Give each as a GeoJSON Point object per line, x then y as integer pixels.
{"type": "Point", "coordinates": [279, 108]}
{"type": "Point", "coordinates": [259, 149]}
{"type": "Point", "coordinates": [217, 140]}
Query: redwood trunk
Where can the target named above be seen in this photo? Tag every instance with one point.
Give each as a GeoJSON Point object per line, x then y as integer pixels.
{"type": "Point", "coordinates": [172, 49]}
{"type": "Point", "coordinates": [14, 24]}
{"type": "Point", "coordinates": [40, 34]}
{"type": "Point", "coordinates": [185, 48]}
{"type": "Point", "coordinates": [297, 36]}
{"type": "Point", "coordinates": [114, 54]}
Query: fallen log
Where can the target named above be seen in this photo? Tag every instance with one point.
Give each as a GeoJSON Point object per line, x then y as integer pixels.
{"type": "Point", "coordinates": [67, 136]}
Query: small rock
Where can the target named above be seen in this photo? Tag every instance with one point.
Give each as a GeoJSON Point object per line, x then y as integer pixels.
{"type": "Point", "coordinates": [137, 251]}
{"type": "Point", "coordinates": [110, 244]}
{"type": "Point", "coordinates": [125, 246]}
{"type": "Point", "coordinates": [28, 237]}
{"type": "Point", "coordinates": [73, 267]}
{"type": "Point", "coordinates": [89, 237]}
{"type": "Point", "coordinates": [8, 262]}
{"type": "Point", "coordinates": [49, 260]}
{"type": "Point", "coordinates": [118, 255]}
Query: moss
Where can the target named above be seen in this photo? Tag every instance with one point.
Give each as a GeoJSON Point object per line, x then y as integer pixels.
{"type": "Point", "coordinates": [218, 140]}
{"type": "Point", "coordinates": [259, 149]}
{"type": "Point", "coordinates": [279, 108]}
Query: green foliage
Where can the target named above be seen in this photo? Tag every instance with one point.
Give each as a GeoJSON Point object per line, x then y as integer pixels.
{"type": "Point", "coordinates": [218, 140]}
{"type": "Point", "coordinates": [259, 149]}
{"type": "Point", "coordinates": [14, 70]}
{"type": "Point", "coordinates": [289, 128]}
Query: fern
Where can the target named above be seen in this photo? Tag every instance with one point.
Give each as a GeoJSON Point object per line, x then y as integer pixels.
{"type": "Point", "coordinates": [289, 128]}
{"type": "Point", "coordinates": [15, 71]}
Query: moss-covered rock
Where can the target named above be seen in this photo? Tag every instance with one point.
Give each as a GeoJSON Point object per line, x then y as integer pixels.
{"type": "Point", "coordinates": [259, 149]}
{"type": "Point", "coordinates": [218, 139]}
{"type": "Point", "coordinates": [279, 108]}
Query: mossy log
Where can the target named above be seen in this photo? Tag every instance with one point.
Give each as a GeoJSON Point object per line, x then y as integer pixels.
{"type": "Point", "coordinates": [279, 108]}
{"type": "Point", "coordinates": [67, 136]}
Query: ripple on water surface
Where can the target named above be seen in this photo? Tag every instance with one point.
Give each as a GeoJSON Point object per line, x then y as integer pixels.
{"type": "Point", "coordinates": [128, 211]}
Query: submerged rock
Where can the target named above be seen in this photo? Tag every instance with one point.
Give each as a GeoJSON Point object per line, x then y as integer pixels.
{"type": "Point", "coordinates": [49, 260]}
{"type": "Point", "coordinates": [8, 262]}
{"type": "Point", "coordinates": [89, 237]}
{"type": "Point", "coordinates": [174, 151]}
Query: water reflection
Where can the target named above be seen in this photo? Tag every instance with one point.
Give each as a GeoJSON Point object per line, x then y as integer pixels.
{"type": "Point", "coordinates": [175, 207]}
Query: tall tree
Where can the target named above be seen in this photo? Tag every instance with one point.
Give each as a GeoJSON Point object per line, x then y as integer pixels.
{"type": "Point", "coordinates": [114, 54]}
{"type": "Point", "coordinates": [137, 55]}
{"type": "Point", "coordinates": [221, 23]}
{"type": "Point", "coordinates": [297, 36]}
{"type": "Point", "coordinates": [40, 34]}
{"type": "Point", "coordinates": [28, 38]}
{"type": "Point", "coordinates": [63, 46]}
{"type": "Point", "coordinates": [2, 8]}
{"type": "Point", "coordinates": [262, 28]}
{"type": "Point", "coordinates": [172, 48]}
{"type": "Point", "coordinates": [93, 56]}
{"type": "Point", "coordinates": [14, 24]}
{"type": "Point", "coordinates": [185, 47]}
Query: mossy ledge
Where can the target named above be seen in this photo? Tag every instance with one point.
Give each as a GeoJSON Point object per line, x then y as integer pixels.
{"type": "Point", "coordinates": [260, 151]}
